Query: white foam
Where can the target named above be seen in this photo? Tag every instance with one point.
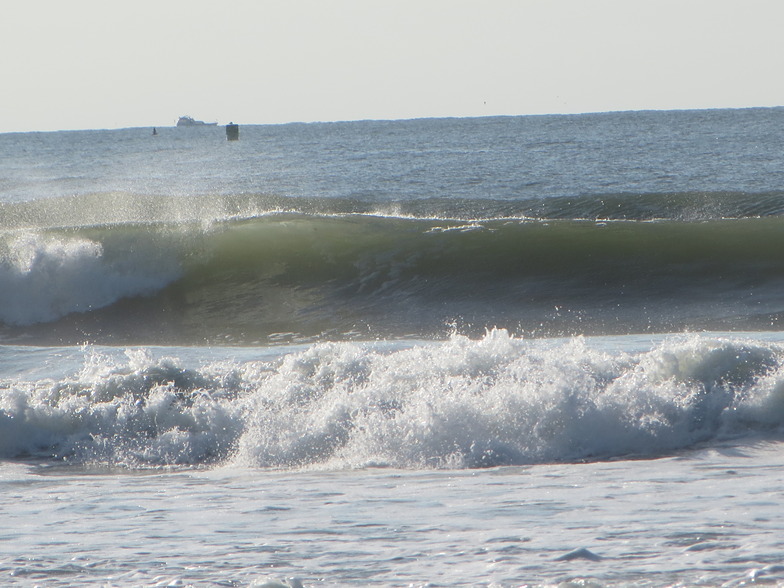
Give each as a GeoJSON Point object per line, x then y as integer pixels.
{"type": "Point", "coordinates": [460, 403]}
{"type": "Point", "coordinates": [45, 277]}
{"type": "Point", "coordinates": [501, 400]}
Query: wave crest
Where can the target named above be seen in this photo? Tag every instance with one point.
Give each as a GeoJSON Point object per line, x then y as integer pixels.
{"type": "Point", "coordinates": [301, 277]}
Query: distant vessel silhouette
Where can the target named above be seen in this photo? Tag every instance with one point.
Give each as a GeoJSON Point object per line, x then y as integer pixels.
{"type": "Point", "coordinates": [188, 121]}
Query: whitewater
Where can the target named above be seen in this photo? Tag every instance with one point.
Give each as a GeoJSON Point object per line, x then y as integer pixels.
{"type": "Point", "coordinates": [513, 351]}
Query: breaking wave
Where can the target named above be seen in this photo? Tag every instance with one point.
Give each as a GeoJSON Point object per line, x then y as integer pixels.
{"type": "Point", "coordinates": [461, 403]}
{"type": "Point", "coordinates": [294, 276]}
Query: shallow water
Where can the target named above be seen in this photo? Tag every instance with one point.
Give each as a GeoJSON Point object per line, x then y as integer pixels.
{"type": "Point", "coordinates": [706, 517]}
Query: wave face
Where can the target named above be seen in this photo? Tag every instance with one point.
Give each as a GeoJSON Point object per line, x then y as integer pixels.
{"type": "Point", "coordinates": [245, 275]}
{"type": "Point", "coordinates": [461, 403]}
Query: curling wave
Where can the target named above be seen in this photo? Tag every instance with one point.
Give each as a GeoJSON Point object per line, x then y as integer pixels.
{"type": "Point", "coordinates": [300, 277]}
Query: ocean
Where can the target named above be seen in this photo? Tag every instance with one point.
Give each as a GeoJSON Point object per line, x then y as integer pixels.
{"type": "Point", "coordinates": [500, 352]}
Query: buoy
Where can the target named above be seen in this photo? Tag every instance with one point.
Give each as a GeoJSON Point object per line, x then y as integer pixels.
{"type": "Point", "coordinates": [232, 132]}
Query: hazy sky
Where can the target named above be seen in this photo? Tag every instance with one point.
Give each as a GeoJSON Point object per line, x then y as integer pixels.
{"type": "Point", "coordinates": [71, 64]}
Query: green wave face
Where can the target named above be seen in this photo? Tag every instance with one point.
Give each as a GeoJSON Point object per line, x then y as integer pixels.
{"type": "Point", "coordinates": [294, 276]}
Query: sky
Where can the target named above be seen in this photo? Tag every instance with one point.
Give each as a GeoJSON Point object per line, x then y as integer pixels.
{"type": "Point", "coordinates": [83, 64]}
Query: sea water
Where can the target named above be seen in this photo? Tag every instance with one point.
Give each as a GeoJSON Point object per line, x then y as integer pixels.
{"type": "Point", "coordinates": [447, 352]}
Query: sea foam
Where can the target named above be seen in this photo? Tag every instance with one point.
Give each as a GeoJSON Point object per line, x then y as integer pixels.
{"type": "Point", "coordinates": [461, 403]}
{"type": "Point", "coordinates": [45, 277]}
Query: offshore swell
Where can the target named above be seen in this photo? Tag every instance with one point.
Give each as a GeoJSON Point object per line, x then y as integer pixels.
{"type": "Point", "coordinates": [245, 275]}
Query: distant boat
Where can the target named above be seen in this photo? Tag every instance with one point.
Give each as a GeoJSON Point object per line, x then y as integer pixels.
{"type": "Point", "coordinates": [187, 121]}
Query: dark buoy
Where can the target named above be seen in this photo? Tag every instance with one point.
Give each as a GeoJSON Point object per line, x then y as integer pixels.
{"type": "Point", "coordinates": [232, 132]}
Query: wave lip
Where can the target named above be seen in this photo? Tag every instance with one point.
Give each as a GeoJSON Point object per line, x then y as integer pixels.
{"type": "Point", "coordinates": [122, 208]}
{"type": "Point", "coordinates": [462, 403]}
